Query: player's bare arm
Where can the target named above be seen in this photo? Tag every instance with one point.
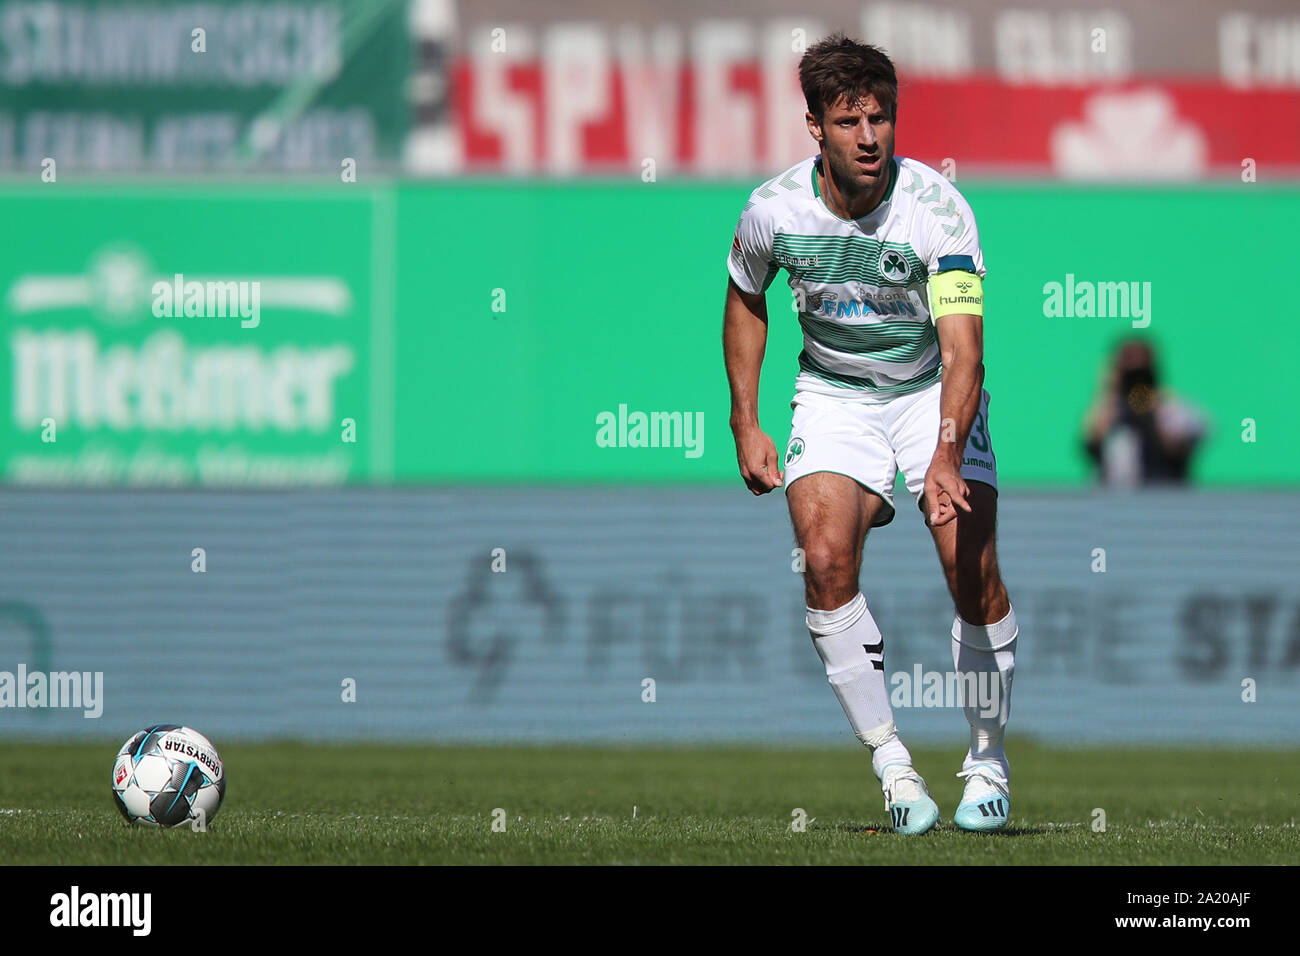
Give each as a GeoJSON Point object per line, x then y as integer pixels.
{"type": "Point", "coordinates": [961, 345]}
{"type": "Point", "coordinates": [744, 340]}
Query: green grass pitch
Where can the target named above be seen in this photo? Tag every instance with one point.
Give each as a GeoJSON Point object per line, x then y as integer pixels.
{"type": "Point", "coordinates": [318, 804]}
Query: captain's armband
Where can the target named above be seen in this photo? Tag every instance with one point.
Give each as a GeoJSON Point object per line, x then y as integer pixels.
{"type": "Point", "coordinates": [956, 292]}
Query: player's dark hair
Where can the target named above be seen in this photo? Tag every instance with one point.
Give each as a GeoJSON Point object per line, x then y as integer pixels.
{"type": "Point", "coordinates": [838, 66]}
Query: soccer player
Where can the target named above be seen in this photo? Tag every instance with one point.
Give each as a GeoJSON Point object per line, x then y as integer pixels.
{"type": "Point", "coordinates": [884, 261]}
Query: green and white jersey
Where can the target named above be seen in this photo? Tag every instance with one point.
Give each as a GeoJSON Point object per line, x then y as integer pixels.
{"type": "Point", "coordinates": [859, 284]}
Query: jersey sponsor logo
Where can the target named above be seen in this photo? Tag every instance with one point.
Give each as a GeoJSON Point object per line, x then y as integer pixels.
{"type": "Point", "coordinates": [978, 463]}
{"type": "Point", "coordinates": [893, 265]}
{"type": "Point", "coordinates": [833, 307]}
{"type": "Point", "coordinates": [814, 300]}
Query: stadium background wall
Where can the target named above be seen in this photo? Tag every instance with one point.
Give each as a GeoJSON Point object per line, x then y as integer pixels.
{"type": "Point", "coordinates": [473, 331]}
{"type": "Point", "coordinates": [604, 589]}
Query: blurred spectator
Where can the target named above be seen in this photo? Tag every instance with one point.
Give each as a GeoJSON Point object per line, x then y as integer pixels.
{"type": "Point", "coordinates": [1137, 433]}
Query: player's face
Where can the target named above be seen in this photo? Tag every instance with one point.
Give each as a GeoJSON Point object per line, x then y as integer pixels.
{"type": "Point", "coordinates": [857, 140]}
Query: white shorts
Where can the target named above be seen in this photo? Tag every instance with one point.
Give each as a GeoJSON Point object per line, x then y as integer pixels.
{"type": "Point", "coordinates": [870, 443]}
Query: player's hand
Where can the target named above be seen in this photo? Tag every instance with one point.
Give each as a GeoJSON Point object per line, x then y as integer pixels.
{"type": "Point", "coordinates": [759, 464]}
{"type": "Point", "coordinates": [945, 492]}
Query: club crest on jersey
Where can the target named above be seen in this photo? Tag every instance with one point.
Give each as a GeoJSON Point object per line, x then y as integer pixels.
{"type": "Point", "coordinates": [794, 452]}
{"type": "Point", "coordinates": [893, 265]}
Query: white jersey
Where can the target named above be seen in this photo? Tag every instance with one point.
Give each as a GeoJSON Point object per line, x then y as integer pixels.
{"type": "Point", "coordinates": [859, 284]}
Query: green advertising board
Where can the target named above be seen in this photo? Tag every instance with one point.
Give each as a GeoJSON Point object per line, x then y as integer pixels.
{"type": "Point", "coordinates": [614, 292]}
{"type": "Point", "coordinates": [259, 372]}
{"type": "Point", "coordinates": [481, 331]}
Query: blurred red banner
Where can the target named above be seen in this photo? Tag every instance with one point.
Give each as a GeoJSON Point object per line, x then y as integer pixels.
{"type": "Point", "coordinates": [526, 117]}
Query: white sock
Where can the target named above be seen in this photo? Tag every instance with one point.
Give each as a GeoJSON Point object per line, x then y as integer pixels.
{"type": "Point", "coordinates": [849, 644]}
{"type": "Point", "coordinates": [987, 653]}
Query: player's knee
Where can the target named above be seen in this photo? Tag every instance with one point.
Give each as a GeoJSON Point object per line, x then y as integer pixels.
{"type": "Point", "coordinates": [829, 568]}
{"type": "Point", "coordinates": [827, 559]}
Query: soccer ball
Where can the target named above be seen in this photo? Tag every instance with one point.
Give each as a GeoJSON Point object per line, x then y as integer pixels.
{"type": "Point", "coordinates": [168, 775]}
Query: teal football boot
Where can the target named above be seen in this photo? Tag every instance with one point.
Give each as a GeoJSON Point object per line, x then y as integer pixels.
{"type": "Point", "coordinates": [911, 808]}
{"type": "Point", "coordinates": [986, 801]}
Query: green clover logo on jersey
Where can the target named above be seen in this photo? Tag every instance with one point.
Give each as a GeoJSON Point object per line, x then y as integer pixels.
{"type": "Point", "coordinates": [794, 451]}
{"type": "Point", "coordinates": [893, 266]}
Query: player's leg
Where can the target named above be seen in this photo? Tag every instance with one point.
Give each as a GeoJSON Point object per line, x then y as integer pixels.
{"type": "Point", "coordinates": [832, 514]}
{"type": "Point", "coordinates": [984, 637]}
